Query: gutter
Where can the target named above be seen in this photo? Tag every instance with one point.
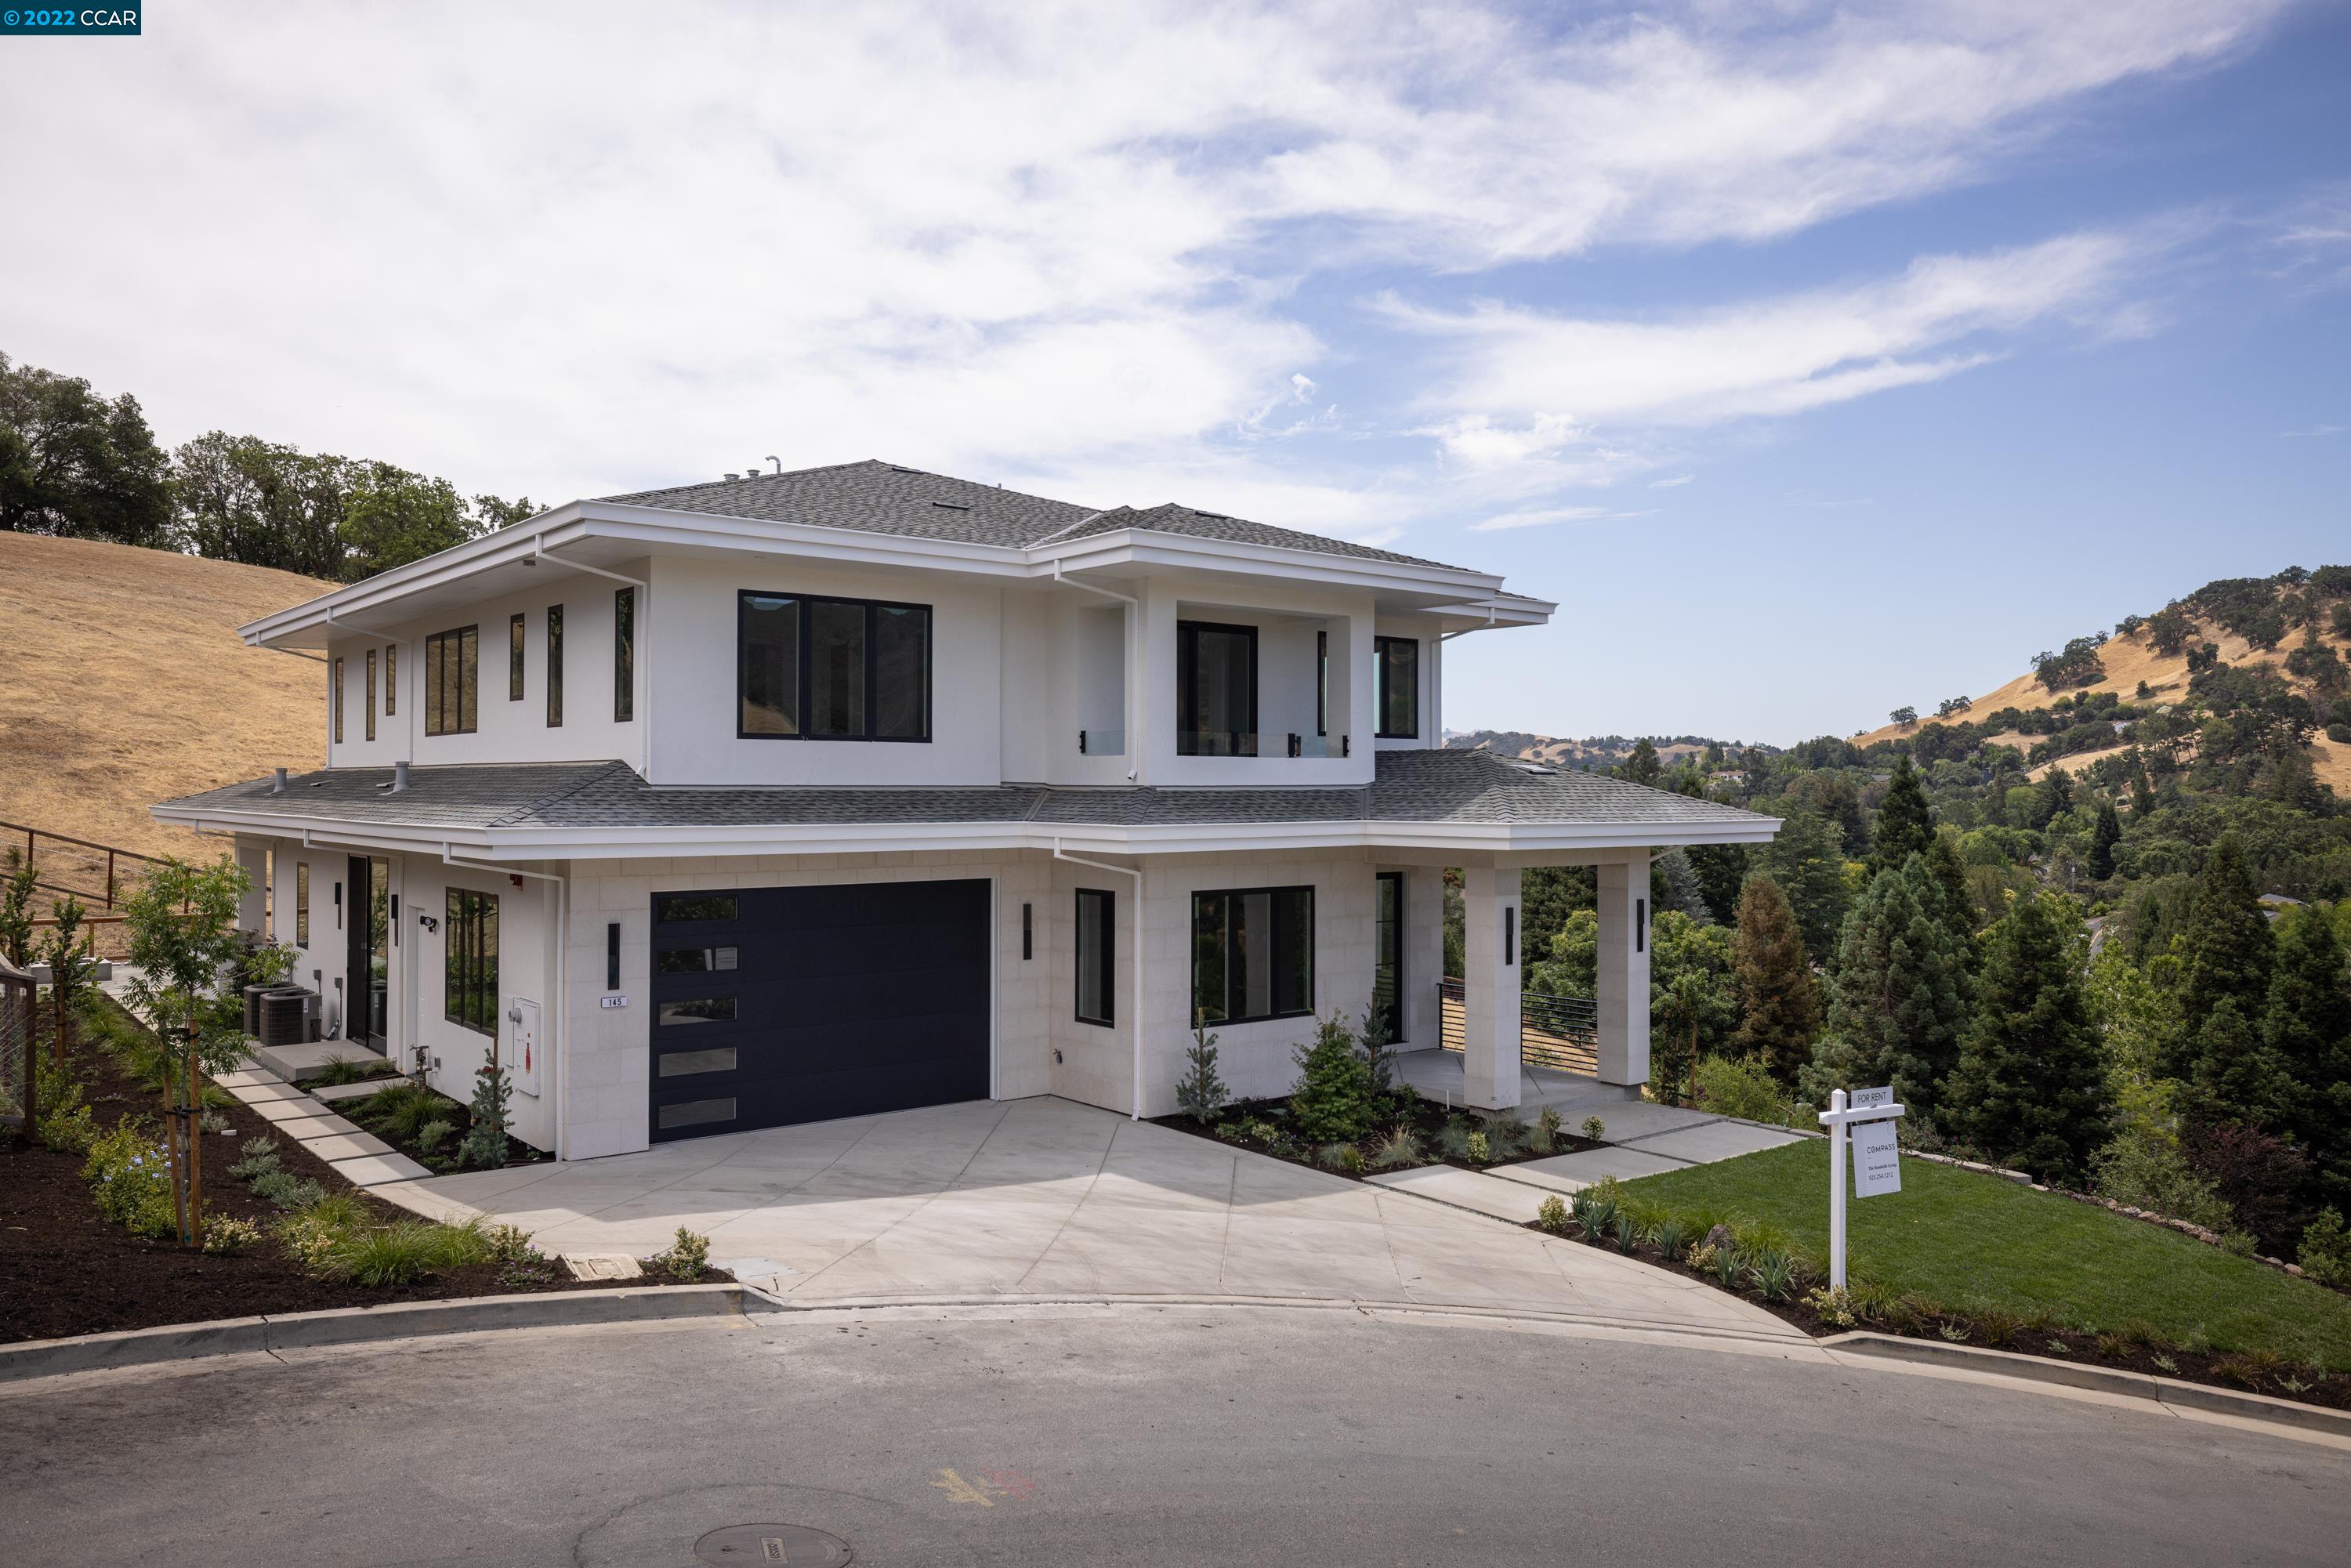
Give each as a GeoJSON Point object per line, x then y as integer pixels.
{"type": "Point", "coordinates": [1135, 1105]}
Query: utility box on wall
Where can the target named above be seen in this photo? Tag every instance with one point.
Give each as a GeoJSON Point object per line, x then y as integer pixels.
{"type": "Point", "coordinates": [524, 1062]}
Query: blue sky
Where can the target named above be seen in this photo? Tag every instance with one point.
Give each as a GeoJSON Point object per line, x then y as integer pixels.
{"type": "Point", "coordinates": [1816, 360]}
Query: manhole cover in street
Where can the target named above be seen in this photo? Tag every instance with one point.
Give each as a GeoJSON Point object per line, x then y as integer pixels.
{"type": "Point", "coordinates": [797, 1545]}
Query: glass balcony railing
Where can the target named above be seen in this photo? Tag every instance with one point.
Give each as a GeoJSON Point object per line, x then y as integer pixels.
{"type": "Point", "coordinates": [1101, 743]}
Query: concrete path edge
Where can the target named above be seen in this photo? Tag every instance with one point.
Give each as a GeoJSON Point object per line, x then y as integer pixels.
{"type": "Point", "coordinates": [2103, 1380]}
{"type": "Point", "coordinates": [352, 1325]}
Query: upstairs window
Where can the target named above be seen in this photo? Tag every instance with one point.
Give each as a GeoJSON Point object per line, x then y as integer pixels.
{"type": "Point", "coordinates": [1253, 955]}
{"type": "Point", "coordinates": [513, 657]}
{"type": "Point", "coordinates": [1216, 690]}
{"type": "Point", "coordinates": [470, 972]}
{"type": "Point", "coordinates": [624, 655]}
{"type": "Point", "coordinates": [1395, 687]}
{"type": "Point", "coordinates": [390, 682]}
{"type": "Point", "coordinates": [338, 700]}
{"type": "Point", "coordinates": [831, 669]}
{"type": "Point", "coordinates": [301, 903]}
{"type": "Point", "coordinates": [1321, 683]}
{"type": "Point", "coordinates": [555, 666]}
{"type": "Point", "coordinates": [371, 694]}
{"type": "Point", "coordinates": [452, 676]}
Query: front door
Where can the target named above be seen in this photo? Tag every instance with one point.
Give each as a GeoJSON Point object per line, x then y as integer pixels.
{"type": "Point", "coordinates": [368, 922]}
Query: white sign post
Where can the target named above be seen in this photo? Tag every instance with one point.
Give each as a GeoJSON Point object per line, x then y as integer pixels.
{"type": "Point", "coordinates": [1871, 1113]}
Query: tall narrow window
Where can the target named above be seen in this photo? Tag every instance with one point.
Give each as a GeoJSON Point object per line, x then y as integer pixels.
{"type": "Point", "coordinates": [452, 680]}
{"type": "Point", "coordinates": [337, 702]}
{"type": "Point", "coordinates": [767, 679]}
{"type": "Point", "coordinates": [1395, 687]}
{"type": "Point", "coordinates": [1321, 683]}
{"type": "Point", "coordinates": [901, 665]}
{"type": "Point", "coordinates": [301, 903]}
{"type": "Point", "coordinates": [624, 655]}
{"type": "Point", "coordinates": [1216, 690]}
{"type": "Point", "coordinates": [836, 670]}
{"type": "Point", "coordinates": [390, 682]}
{"type": "Point", "coordinates": [369, 721]}
{"type": "Point", "coordinates": [1097, 961]}
{"type": "Point", "coordinates": [555, 666]}
{"type": "Point", "coordinates": [514, 658]}
{"type": "Point", "coordinates": [1253, 954]}
{"type": "Point", "coordinates": [470, 965]}
{"type": "Point", "coordinates": [1387, 952]}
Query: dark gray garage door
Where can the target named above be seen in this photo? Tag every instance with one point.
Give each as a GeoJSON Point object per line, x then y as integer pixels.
{"type": "Point", "coordinates": [776, 1005]}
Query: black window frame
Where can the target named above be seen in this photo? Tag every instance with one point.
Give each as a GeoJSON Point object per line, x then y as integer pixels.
{"type": "Point", "coordinates": [1283, 948]}
{"type": "Point", "coordinates": [1323, 683]}
{"type": "Point", "coordinates": [338, 736]}
{"type": "Point", "coordinates": [391, 680]}
{"type": "Point", "coordinates": [804, 631]}
{"type": "Point", "coordinates": [515, 631]}
{"type": "Point", "coordinates": [1187, 684]}
{"type": "Point", "coordinates": [367, 691]}
{"type": "Point", "coordinates": [302, 903]}
{"type": "Point", "coordinates": [1383, 683]}
{"type": "Point", "coordinates": [1397, 930]}
{"type": "Point", "coordinates": [554, 666]}
{"type": "Point", "coordinates": [624, 655]}
{"type": "Point", "coordinates": [439, 685]}
{"type": "Point", "coordinates": [468, 960]}
{"type": "Point", "coordinates": [1106, 940]}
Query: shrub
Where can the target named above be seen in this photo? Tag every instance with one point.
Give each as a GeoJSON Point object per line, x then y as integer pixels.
{"type": "Point", "coordinates": [2257, 1173]}
{"type": "Point", "coordinates": [1728, 1267]}
{"type": "Point", "coordinates": [353, 1069]}
{"type": "Point", "coordinates": [432, 1134]}
{"type": "Point", "coordinates": [394, 1255]}
{"type": "Point", "coordinates": [1594, 1129]}
{"type": "Point", "coordinates": [684, 1259]}
{"type": "Point", "coordinates": [1744, 1089]}
{"type": "Point", "coordinates": [1835, 1307]}
{"type": "Point", "coordinates": [1505, 1135]}
{"type": "Point", "coordinates": [2238, 1244]}
{"type": "Point", "coordinates": [1626, 1232]}
{"type": "Point", "coordinates": [1773, 1273]}
{"type": "Point", "coordinates": [1399, 1148]}
{"type": "Point", "coordinates": [1476, 1150]}
{"type": "Point", "coordinates": [1552, 1216]}
{"type": "Point", "coordinates": [65, 1125]}
{"type": "Point", "coordinates": [1453, 1138]}
{"type": "Point", "coordinates": [1671, 1239]}
{"type": "Point", "coordinates": [1200, 1093]}
{"type": "Point", "coordinates": [228, 1234]}
{"type": "Point", "coordinates": [485, 1147]}
{"type": "Point", "coordinates": [130, 1179]}
{"type": "Point", "coordinates": [400, 1111]}
{"type": "Point", "coordinates": [2326, 1250]}
{"type": "Point", "coordinates": [260, 1159]}
{"type": "Point", "coordinates": [1335, 1100]}
{"type": "Point", "coordinates": [284, 1189]}
{"type": "Point", "coordinates": [510, 1244]}
{"type": "Point", "coordinates": [1544, 1138]}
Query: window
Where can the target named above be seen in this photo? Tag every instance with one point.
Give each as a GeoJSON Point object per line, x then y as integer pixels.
{"type": "Point", "coordinates": [390, 682]}
{"type": "Point", "coordinates": [700, 1009]}
{"type": "Point", "coordinates": [1387, 951]}
{"type": "Point", "coordinates": [1097, 928]}
{"type": "Point", "coordinates": [451, 672]}
{"type": "Point", "coordinates": [1216, 690]}
{"type": "Point", "coordinates": [831, 669]}
{"type": "Point", "coordinates": [716, 1058]}
{"type": "Point", "coordinates": [470, 992]}
{"type": "Point", "coordinates": [694, 961]}
{"type": "Point", "coordinates": [1395, 687]}
{"type": "Point", "coordinates": [301, 903]}
{"type": "Point", "coordinates": [339, 700]}
{"type": "Point", "coordinates": [624, 655]}
{"type": "Point", "coordinates": [555, 666]}
{"type": "Point", "coordinates": [1321, 683]}
{"type": "Point", "coordinates": [1253, 954]}
{"type": "Point", "coordinates": [694, 906]}
{"type": "Point", "coordinates": [514, 658]}
{"type": "Point", "coordinates": [371, 694]}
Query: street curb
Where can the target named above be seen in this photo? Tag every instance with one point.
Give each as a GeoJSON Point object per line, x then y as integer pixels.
{"type": "Point", "coordinates": [355, 1325]}
{"type": "Point", "coordinates": [2103, 1380]}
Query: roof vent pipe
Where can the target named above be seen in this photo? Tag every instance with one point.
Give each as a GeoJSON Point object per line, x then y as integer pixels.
{"type": "Point", "coordinates": [278, 786]}
{"type": "Point", "coordinates": [399, 777]}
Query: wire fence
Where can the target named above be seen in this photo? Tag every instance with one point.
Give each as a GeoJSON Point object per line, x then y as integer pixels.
{"type": "Point", "coordinates": [1561, 1032]}
{"type": "Point", "coordinates": [18, 1065]}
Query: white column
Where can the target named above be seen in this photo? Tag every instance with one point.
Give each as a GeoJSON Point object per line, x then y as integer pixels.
{"type": "Point", "coordinates": [253, 859]}
{"type": "Point", "coordinates": [1491, 986]}
{"type": "Point", "coordinates": [1623, 991]}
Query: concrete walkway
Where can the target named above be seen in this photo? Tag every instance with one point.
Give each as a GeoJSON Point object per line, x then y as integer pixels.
{"type": "Point", "coordinates": [1645, 1139]}
{"type": "Point", "coordinates": [1048, 1197]}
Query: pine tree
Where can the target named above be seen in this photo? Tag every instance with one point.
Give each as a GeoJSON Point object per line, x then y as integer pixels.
{"type": "Point", "coordinates": [1643, 767]}
{"type": "Point", "coordinates": [1806, 863]}
{"type": "Point", "coordinates": [2228, 951]}
{"type": "Point", "coordinates": [1901, 993]}
{"type": "Point", "coordinates": [2103, 836]}
{"type": "Point", "coordinates": [2059, 785]}
{"type": "Point", "coordinates": [1905, 825]}
{"type": "Point", "coordinates": [1777, 995]}
{"type": "Point", "coordinates": [2142, 787]}
{"type": "Point", "coordinates": [2235, 1076]}
{"type": "Point", "coordinates": [2029, 1087]}
{"type": "Point", "coordinates": [2309, 1029]}
{"type": "Point", "coordinates": [1942, 858]}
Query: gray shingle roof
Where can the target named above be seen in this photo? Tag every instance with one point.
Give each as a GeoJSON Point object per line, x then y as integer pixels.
{"type": "Point", "coordinates": [1474, 786]}
{"type": "Point", "coordinates": [879, 497]}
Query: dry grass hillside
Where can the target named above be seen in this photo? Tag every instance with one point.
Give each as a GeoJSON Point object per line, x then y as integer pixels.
{"type": "Point", "coordinates": [123, 683]}
{"type": "Point", "coordinates": [2131, 659]}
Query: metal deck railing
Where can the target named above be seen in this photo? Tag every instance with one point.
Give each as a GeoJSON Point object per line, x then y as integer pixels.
{"type": "Point", "coordinates": [1560, 1032]}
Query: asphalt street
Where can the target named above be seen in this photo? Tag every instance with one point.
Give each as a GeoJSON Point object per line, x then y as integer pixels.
{"type": "Point", "coordinates": [1122, 1435]}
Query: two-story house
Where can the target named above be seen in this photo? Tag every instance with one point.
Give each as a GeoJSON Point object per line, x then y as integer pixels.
{"type": "Point", "coordinates": [797, 796]}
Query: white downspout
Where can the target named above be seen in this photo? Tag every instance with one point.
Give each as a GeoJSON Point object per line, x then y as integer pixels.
{"type": "Point", "coordinates": [1134, 1003]}
{"type": "Point", "coordinates": [559, 1014]}
{"type": "Point", "coordinates": [1133, 715]}
{"type": "Point", "coordinates": [644, 634]}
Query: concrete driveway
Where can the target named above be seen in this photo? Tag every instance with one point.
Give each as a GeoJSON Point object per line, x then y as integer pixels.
{"type": "Point", "coordinates": [1048, 1198]}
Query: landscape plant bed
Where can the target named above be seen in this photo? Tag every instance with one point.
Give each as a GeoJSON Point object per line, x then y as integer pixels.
{"type": "Point", "coordinates": [66, 1270]}
{"type": "Point", "coordinates": [1980, 1261]}
{"type": "Point", "coordinates": [404, 1133]}
{"type": "Point", "coordinates": [1427, 1119]}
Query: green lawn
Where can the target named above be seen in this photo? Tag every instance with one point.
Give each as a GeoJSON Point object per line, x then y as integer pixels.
{"type": "Point", "coordinates": [1973, 1241]}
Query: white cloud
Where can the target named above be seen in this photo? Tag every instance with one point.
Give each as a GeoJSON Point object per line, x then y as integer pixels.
{"type": "Point", "coordinates": [1677, 482]}
{"type": "Point", "coordinates": [1529, 382]}
{"type": "Point", "coordinates": [1055, 242]}
{"type": "Point", "coordinates": [1543, 516]}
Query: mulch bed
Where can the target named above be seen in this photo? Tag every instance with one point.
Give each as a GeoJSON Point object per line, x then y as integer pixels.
{"type": "Point", "coordinates": [2218, 1368]}
{"type": "Point", "coordinates": [442, 1161]}
{"type": "Point", "coordinates": [1427, 1118]}
{"type": "Point", "coordinates": [65, 1269]}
